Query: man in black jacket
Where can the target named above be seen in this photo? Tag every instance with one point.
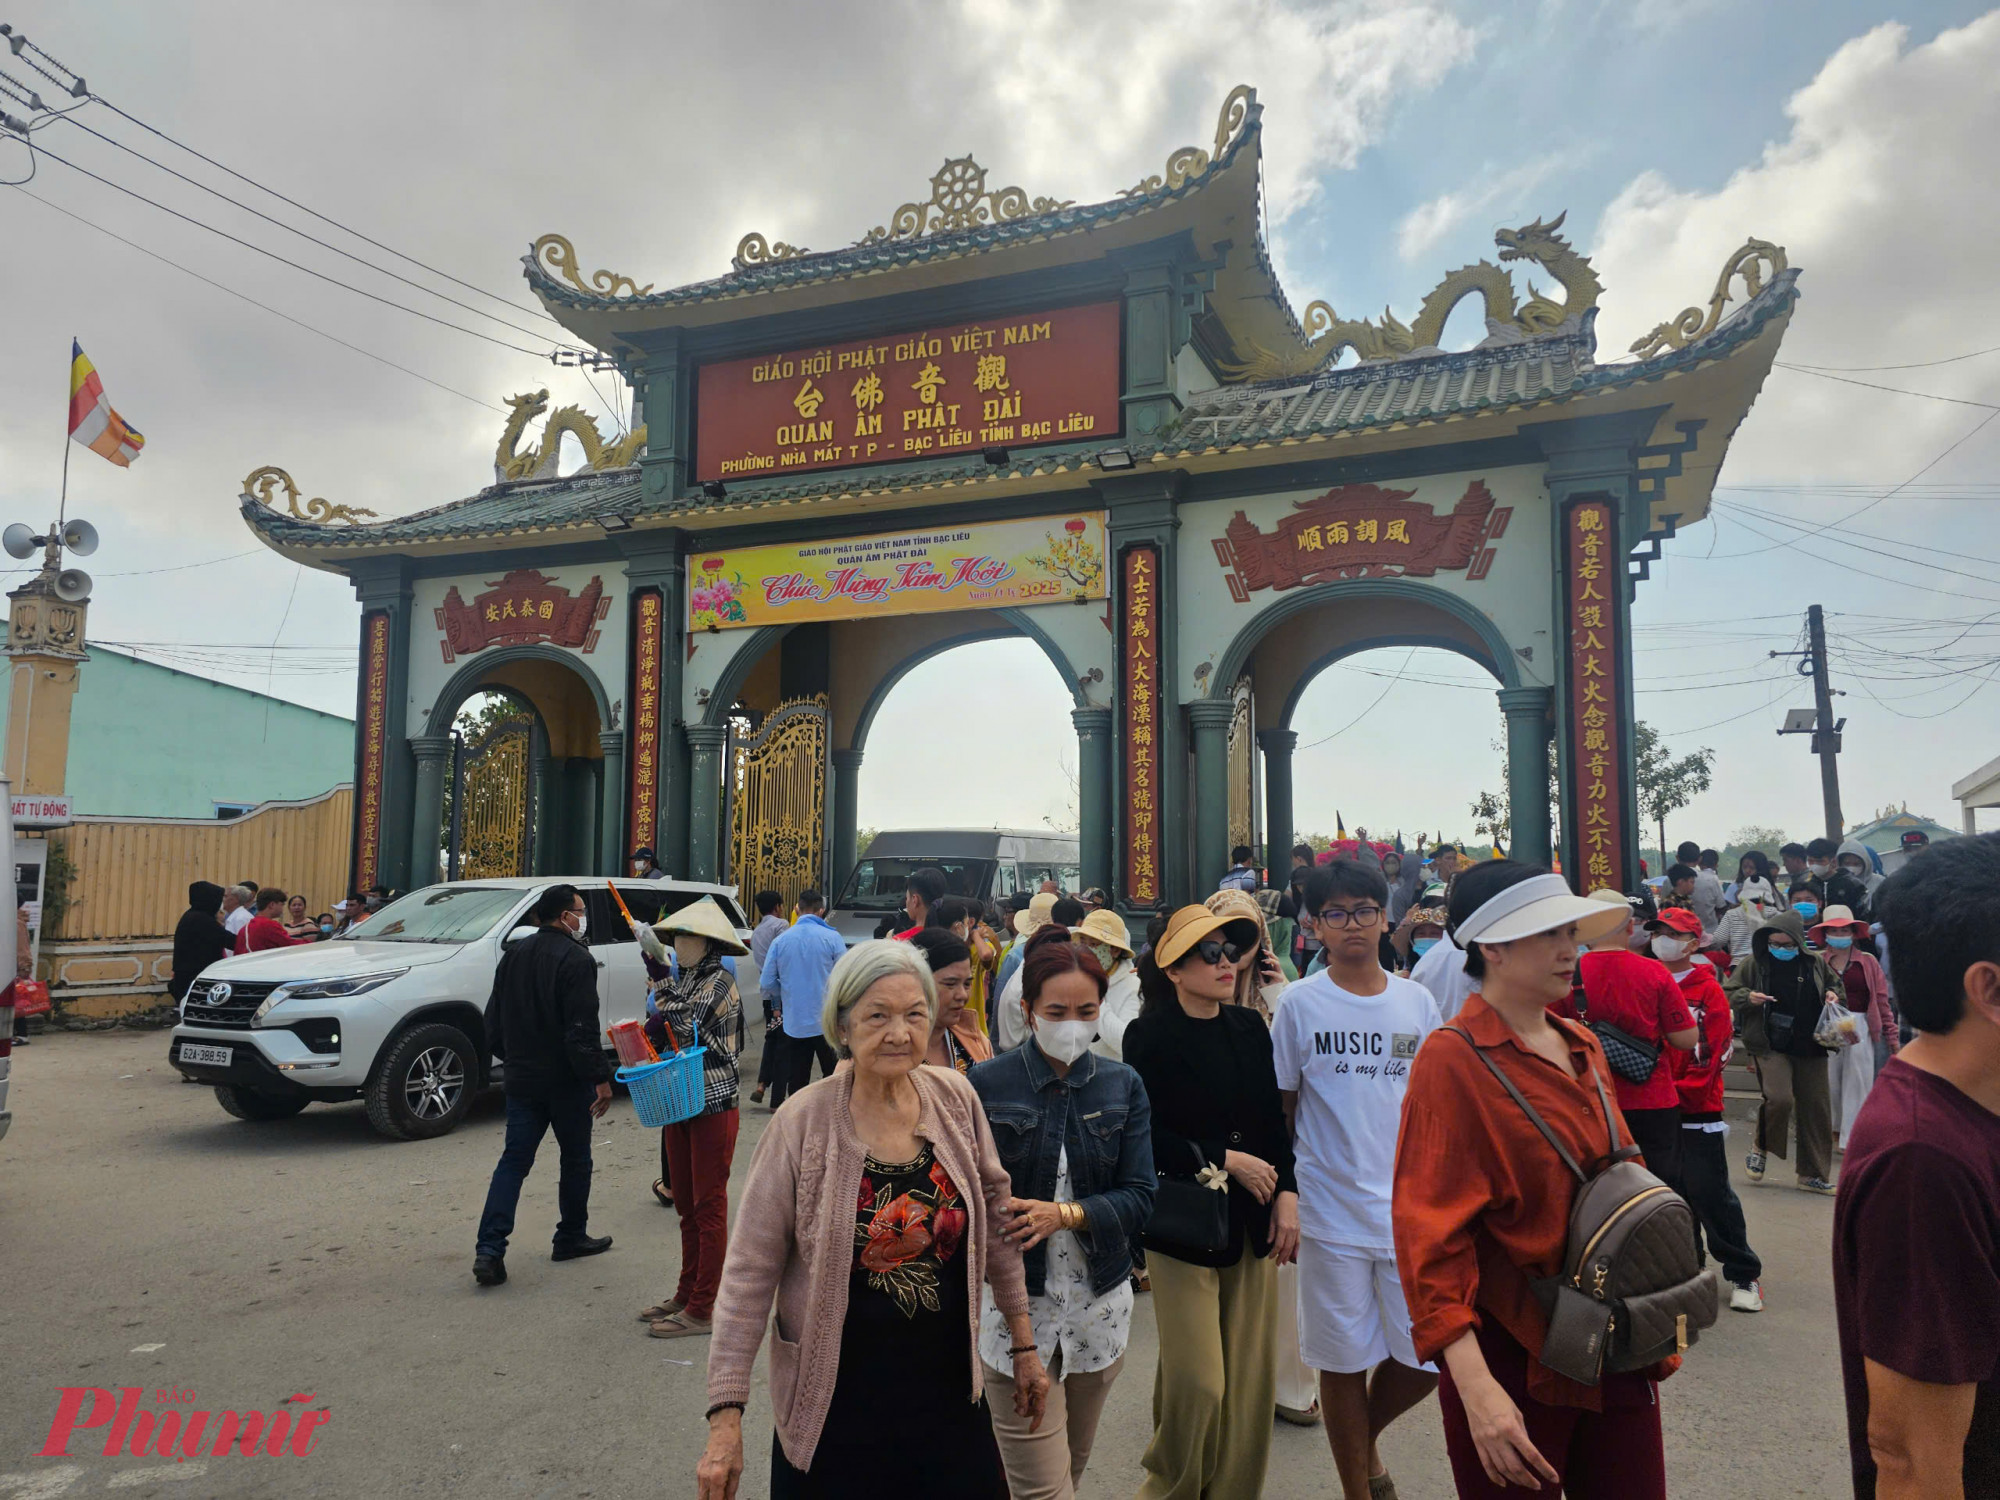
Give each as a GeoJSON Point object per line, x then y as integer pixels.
{"type": "Point", "coordinates": [542, 1022]}
{"type": "Point", "coordinates": [199, 938]}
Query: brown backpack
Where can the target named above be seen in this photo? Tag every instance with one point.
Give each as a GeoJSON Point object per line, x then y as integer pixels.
{"type": "Point", "coordinates": [1631, 1290]}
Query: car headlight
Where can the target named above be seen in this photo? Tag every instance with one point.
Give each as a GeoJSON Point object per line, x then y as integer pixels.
{"type": "Point", "coordinates": [324, 989]}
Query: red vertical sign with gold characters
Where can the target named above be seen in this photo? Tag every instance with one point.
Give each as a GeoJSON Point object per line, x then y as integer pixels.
{"type": "Point", "coordinates": [647, 616]}
{"type": "Point", "coordinates": [374, 717]}
{"type": "Point", "coordinates": [1596, 694]}
{"type": "Point", "coordinates": [1139, 600]}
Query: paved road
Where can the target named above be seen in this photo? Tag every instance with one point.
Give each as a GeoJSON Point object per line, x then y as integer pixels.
{"type": "Point", "coordinates": [154, 1242]}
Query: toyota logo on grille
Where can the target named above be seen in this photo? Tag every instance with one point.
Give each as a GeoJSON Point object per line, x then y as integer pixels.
{"type": "Point", "coordinates": [218, 994]}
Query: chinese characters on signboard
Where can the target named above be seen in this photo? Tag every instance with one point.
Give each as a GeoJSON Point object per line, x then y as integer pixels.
{"type": "Point", "coordinates": [1362, 531]}
{"type": "Point", "coordinates": [992, 565]}
{"type": "Point", "coordinates": [524, 605]}
{"type": "Point", "coordinates": [1596, 693]}
{"type": "Point", "coordinates": [1141, 609]}
{"type": "Point", "coordinates": [374, 717]}
{"type": "Point", "coordinates": [647, 614]}
{"type": "Point", "coordinates": [1045, 377]}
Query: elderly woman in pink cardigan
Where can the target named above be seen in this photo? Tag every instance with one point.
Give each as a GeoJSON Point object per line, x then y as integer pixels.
{"type": "Point", "coordinates": [874, 1211]}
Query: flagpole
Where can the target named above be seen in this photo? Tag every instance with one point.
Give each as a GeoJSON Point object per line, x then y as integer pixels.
{"type": "Point", "coordinates": [62, 505]}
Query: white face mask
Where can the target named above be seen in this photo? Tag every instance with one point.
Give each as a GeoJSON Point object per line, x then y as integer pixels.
{"type": "Point", "coordinates": [582, 924]}
{"type": "Point", "coordinates": [1668, 949]}
{"type": "Point", "coordinates": [1065, 1041]}
{"type": "Point", "coordinates": [1819, 868]}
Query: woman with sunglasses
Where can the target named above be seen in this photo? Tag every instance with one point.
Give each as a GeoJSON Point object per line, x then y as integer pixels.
{"type": "Point", "coordinates": [1217, 1122]}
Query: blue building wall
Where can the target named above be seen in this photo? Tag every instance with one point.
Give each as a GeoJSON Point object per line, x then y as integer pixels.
{"type": "Point", "coordinates": [148, 741]}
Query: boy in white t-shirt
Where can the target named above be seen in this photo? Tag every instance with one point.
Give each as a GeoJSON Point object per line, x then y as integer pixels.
{"type": "Point", "coordinates": [1344, 1040]}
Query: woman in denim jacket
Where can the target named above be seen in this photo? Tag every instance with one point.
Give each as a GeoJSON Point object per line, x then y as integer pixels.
{"type": "Point", "coordinates": [1074, 1132]}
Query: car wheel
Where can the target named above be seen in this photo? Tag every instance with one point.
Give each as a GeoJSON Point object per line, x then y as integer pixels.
{"type": "Point", "coordinates": [424, 1085]}
{"type": "Point", "coordinates": [248, 1104]}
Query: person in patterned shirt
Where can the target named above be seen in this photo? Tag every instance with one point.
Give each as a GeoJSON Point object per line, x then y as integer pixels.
{"type": "Point", "coordinates": [699, 1006]}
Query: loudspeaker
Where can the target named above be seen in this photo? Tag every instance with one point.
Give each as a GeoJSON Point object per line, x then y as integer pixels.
{"type": "Point", "coordinates": [19, 540]}
{"type": "Point", "coordinates": [72, 585]}
{"type": "Point", "coordinates": [80, 537]}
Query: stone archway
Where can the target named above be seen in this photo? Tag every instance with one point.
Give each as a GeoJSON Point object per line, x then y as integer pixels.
{"type": "Point", "coordinates": [1290, 642]}
{"type": "Point", "coordinates": [576, 774]}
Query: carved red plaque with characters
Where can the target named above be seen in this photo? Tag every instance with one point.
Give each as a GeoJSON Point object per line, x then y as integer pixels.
{"type": "Point", "coordinates": [522, 606]}
{"type": "Point", "coordinates": [1362, 531]}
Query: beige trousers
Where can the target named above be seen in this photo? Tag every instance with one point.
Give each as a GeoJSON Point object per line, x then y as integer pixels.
{"type": "Point", "coordinates": [1797, 1085]}
{"type": "Point", "coordinates": [1048, 1464]}
{"type": "Point", "coordinates": [1215, 1385]}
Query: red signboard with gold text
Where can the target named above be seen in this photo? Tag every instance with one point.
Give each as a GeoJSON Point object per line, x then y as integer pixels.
{"type": "Point", "coordinates": [1013, 382]}
{"type": "Point", "coordinates": [374, 711]}
{"type": "Point", "coordinates": [1139, 603]}
{"type": "Point", "coordinates": [647, 614]}
{"type": "Point", "coordinates": [1596, 692]}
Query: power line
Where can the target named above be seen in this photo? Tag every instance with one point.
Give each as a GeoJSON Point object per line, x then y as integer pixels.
{"type": "Point", "coordinates": [1797, 545]}
{"type": "Point", "coordinates": [264, 306]}
{"type": "Point", "coordinates": [314, 239]}
{"type": "Point", "coordinates": [1876, 551]}
{"type": "Point", "coordinates": [1894, 390]}
{"type": "Point", "coordinates": [282, 260]}
{"type": "Point", "coordinates": [1924, 364]}
{"type": "Point", "coordinates": [76, 87]}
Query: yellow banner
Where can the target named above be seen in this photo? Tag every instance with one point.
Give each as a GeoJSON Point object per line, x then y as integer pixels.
{"type": "Point", "coordinates": [998, 565]}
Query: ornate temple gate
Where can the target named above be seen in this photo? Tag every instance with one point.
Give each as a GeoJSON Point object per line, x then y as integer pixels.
{"type": "Point", "coordinates": [492, 825]}
{"type": "Point", "coordinates": [777, 797]}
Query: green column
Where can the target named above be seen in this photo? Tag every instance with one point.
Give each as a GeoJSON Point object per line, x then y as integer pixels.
{"type": "Point", "coordinates": [611, 805]}
{"type": "Point", "coordinates": [1094, 812]}
{"type": "Point", "coordinates": [706, 743]}
{"type": "Point", "coordinates": [433, 757]}
{"type": "Point", "coordinates": [846, 799]}
{"type": "Point", "coordinates": [1208, 722]}
{"type": "Point", "coordinates": [542, 790]}
{"type": "Point", "coordinates": [1528, 729]}
{"type": "Point", "coordinates": [1278, 745]}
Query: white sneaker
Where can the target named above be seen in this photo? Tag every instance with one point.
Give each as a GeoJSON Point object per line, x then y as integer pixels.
{"type": "Point", "coordinates": [1749, 1297]}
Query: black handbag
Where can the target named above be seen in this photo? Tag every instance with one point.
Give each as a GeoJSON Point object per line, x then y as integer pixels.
{"type": "Point", "coordinates": [1630, 1058]}
{"type": "Point", "coordinates": [1188, 1213]}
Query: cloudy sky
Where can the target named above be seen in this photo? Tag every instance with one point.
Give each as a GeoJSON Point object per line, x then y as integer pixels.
{"type": "Point", "coordinates": [1397, 138]}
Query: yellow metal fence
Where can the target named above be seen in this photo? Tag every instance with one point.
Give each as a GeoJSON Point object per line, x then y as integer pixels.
{"type": "Point", "coordinates": [132, 874]}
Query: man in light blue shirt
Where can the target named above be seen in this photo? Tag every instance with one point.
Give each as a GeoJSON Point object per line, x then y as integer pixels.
{"type": "Point", "coordinates": [794, 980]}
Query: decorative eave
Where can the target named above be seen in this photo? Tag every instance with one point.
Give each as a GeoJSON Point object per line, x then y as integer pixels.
{"type": "Point", "coordinates": [1704, 389]}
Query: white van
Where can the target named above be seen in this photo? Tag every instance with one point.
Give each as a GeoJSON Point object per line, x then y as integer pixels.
{"type": "Point", "coordinates": [393, 1012]}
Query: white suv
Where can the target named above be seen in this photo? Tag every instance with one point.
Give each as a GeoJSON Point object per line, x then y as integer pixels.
{"type": "Point", "coordinates": [393, 1012]}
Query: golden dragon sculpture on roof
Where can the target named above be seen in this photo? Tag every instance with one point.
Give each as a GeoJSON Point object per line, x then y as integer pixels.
{"type": "Point", "coordinates": [1508, 319]}
{"type": "Point", "coordinates": [539, 462]}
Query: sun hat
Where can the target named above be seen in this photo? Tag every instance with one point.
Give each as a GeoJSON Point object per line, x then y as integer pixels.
{"type": "Point", "coordinates": [703, 918]}
{"type": "Point", "coordinates": [1427, 916]}
{"type": "Point", "coordinates": [1832, 920]}
{"type": "Point", "coordinates": [1538, 904]}
{"type": "Point", "coordinates": [1676, 919]}
{"type": "Point", "coordinates": [1235, 903]}
{"type": "Point", "coordinates": [1189, 926]}
{"type": "Point", "coordinates": [1107, 928]}
{"type": "Point", "coordinates": [1037, 914]}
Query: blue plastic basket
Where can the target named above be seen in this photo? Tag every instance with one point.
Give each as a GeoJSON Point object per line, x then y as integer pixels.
{"type": "Point", "coordinates": [668, 1091]}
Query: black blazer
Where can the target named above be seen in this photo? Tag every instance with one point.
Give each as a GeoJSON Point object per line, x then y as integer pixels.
{"type": "Point", "coordinates": [1213, 1098]}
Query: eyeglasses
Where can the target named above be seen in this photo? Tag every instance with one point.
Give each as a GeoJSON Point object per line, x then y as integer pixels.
{"type": "Point", "coordinates": [1217, 950]}
{"type": "Point", "coordinates": [1339, 916]}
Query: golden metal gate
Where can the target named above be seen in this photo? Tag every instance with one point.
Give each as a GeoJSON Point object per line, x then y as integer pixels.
{"type": "Point", "coordinates": [493, 823]}
{"type": "Point", "coordinates": [777, 794]}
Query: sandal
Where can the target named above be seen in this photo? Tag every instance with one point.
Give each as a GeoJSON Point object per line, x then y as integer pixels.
{"type": "Point", "coordinates": [681, 1326]}
{"type": "Point", "coordinates": [661, 1310]}
{"type": "Point", "coordinates": [1381, 1486]}
{"type": "Point", "coordinates": [662, 1192]}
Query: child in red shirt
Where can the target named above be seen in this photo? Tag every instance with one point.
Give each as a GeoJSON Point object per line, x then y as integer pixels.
{"type": "Point", "coordinates": [1675, 936]}
{"type": "Point", "coordinates": [267, 928]}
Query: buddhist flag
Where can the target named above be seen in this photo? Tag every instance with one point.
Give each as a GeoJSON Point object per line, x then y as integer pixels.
{"type": "Point", "coordinates": [92, 422]}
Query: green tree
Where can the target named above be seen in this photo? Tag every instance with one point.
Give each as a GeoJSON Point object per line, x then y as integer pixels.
{"type": "Point", "coordinates": [1666, 785]}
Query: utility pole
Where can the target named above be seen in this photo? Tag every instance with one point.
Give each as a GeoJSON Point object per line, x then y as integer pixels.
{"type": "Point", "coordinates": [1825, 728]}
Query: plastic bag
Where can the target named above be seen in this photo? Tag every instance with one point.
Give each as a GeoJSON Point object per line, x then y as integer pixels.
{"type": "Point", "coordinates": [1850, 1075]}
{"type": "Point", "coordinates": [1838, 1027]}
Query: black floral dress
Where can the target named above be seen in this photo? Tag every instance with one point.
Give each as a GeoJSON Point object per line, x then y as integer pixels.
{"type": "Point", "coordinates": [902, 1400]}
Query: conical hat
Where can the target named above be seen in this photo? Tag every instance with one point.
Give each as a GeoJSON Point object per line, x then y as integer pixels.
{"type": "Point", "coordinates": [703, 919]}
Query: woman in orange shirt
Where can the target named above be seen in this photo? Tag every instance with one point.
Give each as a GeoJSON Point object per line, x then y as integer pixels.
{"type": "Point", "coordinates": [1481, 1206]}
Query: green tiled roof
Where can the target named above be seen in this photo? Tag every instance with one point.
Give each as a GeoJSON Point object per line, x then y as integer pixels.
{"type": "Point", "coordinates": [1414, 392]}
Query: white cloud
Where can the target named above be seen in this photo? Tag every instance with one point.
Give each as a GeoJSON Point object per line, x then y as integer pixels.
{"type": "Point", "coordinates": [1883, 195]}
{"type": "Point", "coordinates": [1499, 193]}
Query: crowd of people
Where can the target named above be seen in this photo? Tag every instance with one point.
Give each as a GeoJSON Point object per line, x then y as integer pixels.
{"type": "Point", "coordinates": [1028, 1117]}
{"type": "Point", "coordinates": [249, 917]}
